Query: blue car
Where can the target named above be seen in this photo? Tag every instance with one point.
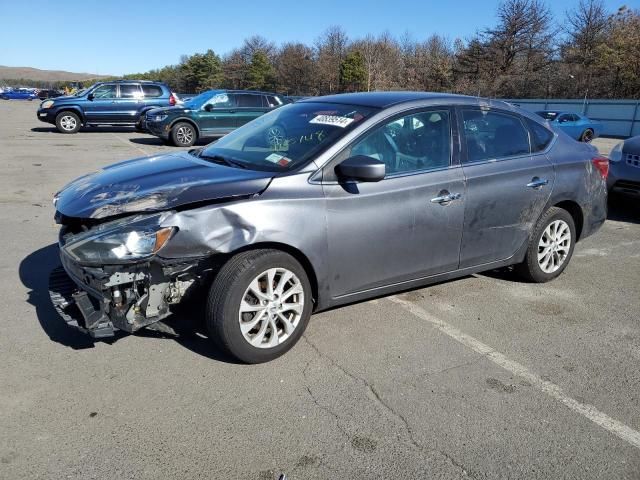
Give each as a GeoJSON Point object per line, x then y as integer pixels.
{"type": "Point", "coordinates": [18, 94]}
{"type": "Point", "coordinates": [121, 102]}
{"type": "Point", "coordinates": [576, 126]}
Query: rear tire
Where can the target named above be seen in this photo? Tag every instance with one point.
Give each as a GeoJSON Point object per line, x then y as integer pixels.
{"type": "Point", "coordinates": [68, 122]}
{"type": "Point", "coordinates": [586, 136]}
{"type": "Point", "coordinates": [550, 247]}
{"type": "Point", "coordinates": [259, 305]}
{"type": "Point", "coordinates": [183, 134]}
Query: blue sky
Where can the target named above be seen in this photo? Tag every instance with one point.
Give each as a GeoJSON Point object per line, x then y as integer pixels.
{"type": "Point", "coordinates": [116, 37]}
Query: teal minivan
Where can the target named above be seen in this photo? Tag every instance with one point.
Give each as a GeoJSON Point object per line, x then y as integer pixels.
{"type": "Point", "coordinates": [211, 114]}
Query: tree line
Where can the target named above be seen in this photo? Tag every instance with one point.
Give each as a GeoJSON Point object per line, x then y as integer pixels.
{"type": "Point", "coordinates": [528, 53]}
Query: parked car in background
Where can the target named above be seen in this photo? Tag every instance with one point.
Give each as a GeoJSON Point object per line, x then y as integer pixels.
{"type": "Point", "coordinates": [575, 125]}
{"type": "Point", "coordinates": [19, 94]}
{"type": "Point", "coordinates": [366, 194]}
{"type": "Point", "coordinates": [211, 114]}
{"type": "Point", "coordinates": [123, 103]}
{"type": "Point", "coordinates": [624, 170]}
{"type": "Point", "coordinates": [45, 93]}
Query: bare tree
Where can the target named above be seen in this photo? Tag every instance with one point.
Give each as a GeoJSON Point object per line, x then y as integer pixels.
{"type": "Point", "coordinates": [586, 28]}
{"type": "Point", "coordinates": [295, 67]}
{"type": "Point", "coordinates": [331, 49]}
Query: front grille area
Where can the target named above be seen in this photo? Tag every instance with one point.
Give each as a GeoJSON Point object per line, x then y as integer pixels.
{"type": "Point", "coordinates": [633, 160]}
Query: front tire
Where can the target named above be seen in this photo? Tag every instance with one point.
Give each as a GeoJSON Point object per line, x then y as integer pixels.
{"type": "Point", "coordinates": [550, 247]}
{"type": "Point", "coordinates": [587, 136]}
{"type": "Point", "coordinates": [183, 134]}
{"type": "Point", "coordinates": [259, 305]}
{"type": "Point", "coordinates": [68, 122]}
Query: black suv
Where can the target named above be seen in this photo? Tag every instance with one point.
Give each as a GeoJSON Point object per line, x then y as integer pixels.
{"type": "Point", "coordinates": [123, 102]}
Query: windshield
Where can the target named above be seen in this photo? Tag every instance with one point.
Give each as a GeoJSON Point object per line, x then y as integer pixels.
{"type": "Point", "coordinates": [288, 137]}
{"type": "Point", "coordinates": [551, 116]}
{"type": "Point", "coordinates": [198, 101]}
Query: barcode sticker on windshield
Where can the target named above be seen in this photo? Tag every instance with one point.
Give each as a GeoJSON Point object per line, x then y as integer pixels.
{"type": "Point", "coordinates": [334, 120]}
{"type": "Point", "coordinates": [274, 158]}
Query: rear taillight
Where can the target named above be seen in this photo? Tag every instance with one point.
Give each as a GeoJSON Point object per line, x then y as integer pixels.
{"type": "Point", "coordinates": [602, 164]}
{"type": "Point", "coordinates": [172, 99]}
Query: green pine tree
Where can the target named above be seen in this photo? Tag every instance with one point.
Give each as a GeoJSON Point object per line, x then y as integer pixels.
{"type": "Point", "coordinates": [353, 72]}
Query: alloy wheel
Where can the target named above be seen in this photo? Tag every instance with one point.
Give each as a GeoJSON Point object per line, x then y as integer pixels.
{"type": "Point", "coordinates": [184, 135]}
{"type": "Point", "coordinates": [68, 123]}
{"type": "Point", "coordinates": [554, 246]}
{"type": "Point", "coordinates": [271, 308]}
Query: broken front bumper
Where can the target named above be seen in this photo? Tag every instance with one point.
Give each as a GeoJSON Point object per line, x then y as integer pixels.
{"type": "Point", "coordinates": [101, 300]}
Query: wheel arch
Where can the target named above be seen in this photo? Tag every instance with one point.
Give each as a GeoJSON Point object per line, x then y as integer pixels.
{"type": "Point", "coordinates": [574, 209]}
{"type": "Point", "coordinates": [186, 120]}
{"type": "Point", "coordinates": [72, 109]}
{"type": "Point", "coordinates": [295, 253]}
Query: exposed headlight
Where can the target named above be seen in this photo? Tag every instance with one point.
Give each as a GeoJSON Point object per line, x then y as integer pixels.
{"type": "Point", "coordinates": [616, 153]}
{"type": "Point", "coordinates": [122, 244]}
{"type": "Point", "coordinates": [47, 104]}
{"type": "Point", "coordinates": [159, 118]}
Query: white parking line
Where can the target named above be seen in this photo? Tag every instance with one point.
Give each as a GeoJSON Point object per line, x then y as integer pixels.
{"type": "Point", "coordinates": [129, 144]}
{"type": "Point", "coordinates": [623, 431]}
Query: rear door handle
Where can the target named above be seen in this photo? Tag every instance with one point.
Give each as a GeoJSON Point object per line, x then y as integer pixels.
{"type": "Point", "coordinates": [537, 182]}
{"type": "Point", "coordinates": [446, 198]}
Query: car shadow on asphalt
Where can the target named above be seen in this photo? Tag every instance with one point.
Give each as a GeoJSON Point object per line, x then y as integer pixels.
{"type": "Point", "coordinates": [34, 271]}
{"type": "Point", "coordinates": [624, 209]}
{"type": "Point", "coordinates": [86, 129]}
{"type": "Point", "coordinates": [155, 141]}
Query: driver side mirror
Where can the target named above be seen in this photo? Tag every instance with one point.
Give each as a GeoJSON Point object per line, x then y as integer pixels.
{"type": "Point", "coordinates": [361, 168]}
{"type": "Point", "coordinates": [91, 96]}
{"type": "Point", "coordinates": [208, 107]}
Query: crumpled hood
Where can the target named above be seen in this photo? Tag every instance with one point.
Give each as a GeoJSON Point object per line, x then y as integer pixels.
{"type": "Point", "coordinates": [156, 183]}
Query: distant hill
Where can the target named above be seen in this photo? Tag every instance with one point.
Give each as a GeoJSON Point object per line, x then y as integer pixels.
{"type": "Point", "coordinates": [14, 73]}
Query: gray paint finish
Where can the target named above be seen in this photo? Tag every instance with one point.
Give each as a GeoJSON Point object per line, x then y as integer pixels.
{"type": "Point", "coordinates": [360, 240]}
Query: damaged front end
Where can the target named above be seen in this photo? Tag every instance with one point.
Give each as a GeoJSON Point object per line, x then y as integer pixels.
{"type": "Point", "coordinates": [114, 278]}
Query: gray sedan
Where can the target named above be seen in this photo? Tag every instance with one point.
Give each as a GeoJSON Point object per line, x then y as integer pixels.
{"type": "Point", "coordinates": [321, 203]}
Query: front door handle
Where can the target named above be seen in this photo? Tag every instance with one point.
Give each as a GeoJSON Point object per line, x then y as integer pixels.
{"type": "Point", "coordinates": [445, 198]}
{"type": "Point", "coordinates": [537, 182]}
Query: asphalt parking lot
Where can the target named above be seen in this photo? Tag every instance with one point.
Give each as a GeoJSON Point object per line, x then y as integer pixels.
{"type": "Point", "coordinates": [483, 377]}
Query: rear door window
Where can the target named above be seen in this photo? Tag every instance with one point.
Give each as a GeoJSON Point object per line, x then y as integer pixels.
{"type": "Point", "coordinates": [130, 90]}
{"type": "Point", "coordinates": [151, 91]}
{"type": "Point", "coordinates": [490, 135]}
{"type": "Point", "coordinates": [248, 101]}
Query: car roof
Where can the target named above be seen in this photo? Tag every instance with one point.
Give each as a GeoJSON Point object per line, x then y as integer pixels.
{"type": "Point", "coordinates": [388, 99]}
{"type": "Point", "coordinates": [257, 92]}
{"type": "Point", "coordinates": [145, 82]}
{"type": "Point", "coordinates": [226, 90]}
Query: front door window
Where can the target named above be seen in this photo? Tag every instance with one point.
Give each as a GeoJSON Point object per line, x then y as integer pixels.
{"type": "Point", "coordinates": [417, 142]}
